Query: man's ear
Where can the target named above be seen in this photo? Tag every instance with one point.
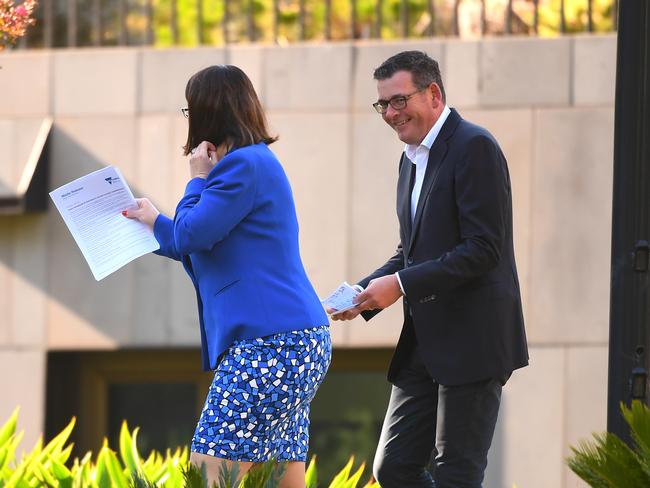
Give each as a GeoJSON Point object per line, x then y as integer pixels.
{"type": "Point", "coordinates": [436, 94]}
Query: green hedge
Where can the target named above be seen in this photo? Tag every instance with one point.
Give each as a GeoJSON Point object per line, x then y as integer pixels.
{"type": "Point", "coordinates": [51, 466]}
{"type": "Point", "coordinates": [607, 462]}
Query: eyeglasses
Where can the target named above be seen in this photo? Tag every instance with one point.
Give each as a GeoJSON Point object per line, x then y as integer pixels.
{"type": "Point", "coordinates": [398, 102]}
{"type": "Point", "coordinates": [186, 112]}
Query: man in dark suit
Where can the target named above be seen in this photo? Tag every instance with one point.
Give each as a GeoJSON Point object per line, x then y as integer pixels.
{"type": "Point", "coordinates": [463, 331]}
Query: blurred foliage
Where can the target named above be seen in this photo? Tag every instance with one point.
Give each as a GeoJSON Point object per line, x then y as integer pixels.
{"type": "Point", "coordinates": [50, 466]}
{"type": "Point", "coordinates": [419, 20]}
{"type": "Point", "coordinates": [576, 16]}
{"type": "Point", "coordinates": [607, 462]}
{"type": "Point", "coordinates": [253, 20]}
{"type": "Point", "coordinates": [14, 19]}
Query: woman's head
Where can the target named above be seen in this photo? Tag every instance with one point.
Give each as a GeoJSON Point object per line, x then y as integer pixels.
{"type": "Point", "coordinates": [224, 108]}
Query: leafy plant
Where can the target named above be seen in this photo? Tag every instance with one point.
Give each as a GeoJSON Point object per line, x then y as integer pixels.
{"type": "Point", "coordinates": [607, 462]}
{"type": "Point", "coordinates": [47, 466]}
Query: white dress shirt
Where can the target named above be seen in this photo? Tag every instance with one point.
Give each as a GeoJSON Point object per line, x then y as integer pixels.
{"type": "Point", "coordinates": [419, 155]}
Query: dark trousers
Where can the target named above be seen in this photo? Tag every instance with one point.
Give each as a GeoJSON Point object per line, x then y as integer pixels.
{"type": "Point", "coordinates": [457, 421]}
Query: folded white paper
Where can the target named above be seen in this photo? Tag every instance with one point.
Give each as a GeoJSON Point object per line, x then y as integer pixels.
{"type": "Point", "coordinates": [341, 299]}
{"type": "Point", "coordinates": [91, 207]}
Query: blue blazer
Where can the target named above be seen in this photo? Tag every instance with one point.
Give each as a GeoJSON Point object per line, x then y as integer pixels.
{"type": "Point", "coordinates": [236, 233]}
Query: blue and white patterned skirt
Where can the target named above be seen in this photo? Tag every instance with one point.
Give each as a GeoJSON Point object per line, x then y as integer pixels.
{"type": "Point", "coordinates": [258, 404]}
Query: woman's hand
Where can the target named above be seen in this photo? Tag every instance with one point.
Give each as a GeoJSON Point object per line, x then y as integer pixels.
{"type": "Point", "coordinates": [201, 160]}
{"type": "Point", "coordinates": [204, 157]}
{"type": "Point", "coordinates": [145, 213]}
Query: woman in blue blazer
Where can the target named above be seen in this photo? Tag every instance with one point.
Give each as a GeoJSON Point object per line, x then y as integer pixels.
{"type": "Point", "coordinates": [263, 330]}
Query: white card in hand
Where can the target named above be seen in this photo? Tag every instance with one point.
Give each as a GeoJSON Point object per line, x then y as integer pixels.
{"type": "Point", "coordinates": [341, 299]}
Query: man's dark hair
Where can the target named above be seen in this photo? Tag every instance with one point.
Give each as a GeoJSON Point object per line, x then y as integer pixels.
{"type": "Point", "coordinates": [223, 107]}
{"type": "Point", "coordinates": [423, 69]}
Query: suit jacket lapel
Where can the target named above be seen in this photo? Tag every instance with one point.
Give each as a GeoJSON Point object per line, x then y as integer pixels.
{"type": "Point", "coordinates": [437, 156]}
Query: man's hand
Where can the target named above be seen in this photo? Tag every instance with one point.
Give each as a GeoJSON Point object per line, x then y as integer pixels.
{"type": "Point", "coordinates": [380, 293]}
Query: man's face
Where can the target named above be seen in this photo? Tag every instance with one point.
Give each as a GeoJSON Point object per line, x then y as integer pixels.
{"type": "Point", "coordinates": [413, 122]}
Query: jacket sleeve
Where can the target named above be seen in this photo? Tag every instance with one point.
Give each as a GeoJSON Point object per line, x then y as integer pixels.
{"type": "Point", "coordinates": [163, 230]}
{"type": "Point", "coordinates": [482, 190]}
{"type": "Point", "coordinates": [394, 264]}
{"type": "Point", "coordinates": [211, 208]}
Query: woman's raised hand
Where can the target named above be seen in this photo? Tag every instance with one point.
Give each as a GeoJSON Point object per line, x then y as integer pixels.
{"type": "Point", "coordinates": [201, 162]}
{"type": "Point", "coordinates": [145, 213]}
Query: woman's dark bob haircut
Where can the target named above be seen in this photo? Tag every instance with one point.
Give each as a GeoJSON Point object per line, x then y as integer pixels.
{"type": "Point", "coordinates": [224, 108]}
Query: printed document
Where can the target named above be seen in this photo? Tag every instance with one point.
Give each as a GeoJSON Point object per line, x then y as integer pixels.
{"type": "Point", "coordinates": [91, 207]}
{"type": "Point", "coordinates": [341, 299]}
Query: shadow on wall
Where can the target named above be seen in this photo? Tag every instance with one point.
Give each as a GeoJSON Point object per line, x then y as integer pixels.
{"type": "Point", "coordinates": [148, 302]}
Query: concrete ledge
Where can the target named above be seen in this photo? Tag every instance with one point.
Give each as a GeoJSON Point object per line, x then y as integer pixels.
{"type": "Point", "coordinates": [524, 71]}
{"type": "Point", "coordinates": [307, 77]}
{"type": "Point", "coordinates": [95, 81]}
{"type": "Point", "coordinates": [25, 83]}
{"type": "Point", "coordinates": [594, 65]}
{"type": "Point", "coordinates": [461, 74]}
{"type": "Point", "coordinates": [165, 73]}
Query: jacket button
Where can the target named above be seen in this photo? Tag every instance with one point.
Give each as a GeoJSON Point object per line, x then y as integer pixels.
{"type": "Point", "coordinates": [409, 260]}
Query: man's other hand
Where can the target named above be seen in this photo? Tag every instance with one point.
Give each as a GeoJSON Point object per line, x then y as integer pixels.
{"type": "Point", "coordinates": [379, 294]}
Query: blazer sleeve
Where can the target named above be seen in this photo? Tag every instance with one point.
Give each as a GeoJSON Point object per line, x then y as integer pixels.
{"type": "Point", "coordinates": [212, 207]}
{"type": "Point", "coordinates": [482, 192]}
{"type": "Point", "coordinates": [394, 264]}
{"type": "Point", "coordinates": [163, 230]}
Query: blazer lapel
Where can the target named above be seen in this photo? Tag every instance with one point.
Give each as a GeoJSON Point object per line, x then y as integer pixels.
{"type": "Point", "coordinates": [437, 156]}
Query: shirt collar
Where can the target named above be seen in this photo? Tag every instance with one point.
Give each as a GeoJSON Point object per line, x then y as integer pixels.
{"type": "Point", "coordinates": [430, 138]}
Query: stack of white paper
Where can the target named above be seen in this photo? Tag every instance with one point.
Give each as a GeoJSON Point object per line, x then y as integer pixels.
{"type": "Point", "coordinates": [91, 207]}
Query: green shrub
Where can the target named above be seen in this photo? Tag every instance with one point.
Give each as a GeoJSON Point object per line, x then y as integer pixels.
{"type": "Point", "coordinates": [607, 462]}
{"type": "Point", "coordinates": [49, 466]}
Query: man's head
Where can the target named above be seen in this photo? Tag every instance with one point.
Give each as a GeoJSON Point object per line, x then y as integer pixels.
{"type": "Point", "coordinates": [411, 94]}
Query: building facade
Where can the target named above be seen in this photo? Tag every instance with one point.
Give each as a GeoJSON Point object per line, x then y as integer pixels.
{"type": "Point", "coordinates": [72, 346]}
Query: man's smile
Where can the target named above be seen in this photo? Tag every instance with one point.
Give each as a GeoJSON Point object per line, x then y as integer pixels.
{"type": "Point", "coordinates": [400, 123]}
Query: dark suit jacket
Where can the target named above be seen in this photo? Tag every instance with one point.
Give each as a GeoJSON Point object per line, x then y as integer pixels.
{"type": "Point", "coordinates": [462, 302]}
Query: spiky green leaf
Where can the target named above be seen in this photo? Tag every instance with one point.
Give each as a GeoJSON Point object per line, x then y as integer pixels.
{"type": "Point", "coordinates": [9, 428]}
{"type": "Point", "coordinates": [311, 475]}
{"type": "Point", "coordinates": [129, 450]}
{"type": "Point", "coordinates": [343, 475]}
{"type": "Point", "coordinates": [354, 479]}
{"type": "Point", "coordinates": [638, 418]}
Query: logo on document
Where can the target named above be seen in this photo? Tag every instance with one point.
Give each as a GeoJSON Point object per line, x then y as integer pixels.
{"type": "Point", "coordinates": [110, 180]}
